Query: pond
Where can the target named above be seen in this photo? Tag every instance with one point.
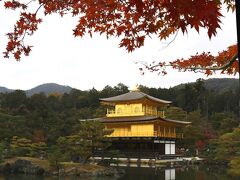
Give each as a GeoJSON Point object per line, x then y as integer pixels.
{"type": "Point", "coordinates": [183, 173]}
{"type": "Point", "coordinates": [148, 173]}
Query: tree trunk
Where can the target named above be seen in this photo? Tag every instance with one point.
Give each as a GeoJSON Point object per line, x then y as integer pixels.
{"type": "Point", "coordinates": [238, 40]}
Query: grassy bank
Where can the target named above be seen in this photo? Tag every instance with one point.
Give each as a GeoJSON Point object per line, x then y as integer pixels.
{"type": "Point", "coordinates": [29, 165]}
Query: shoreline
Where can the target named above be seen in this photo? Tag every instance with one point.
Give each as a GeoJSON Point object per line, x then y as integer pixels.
{"type": "Point", "coordinates": [35, 166]}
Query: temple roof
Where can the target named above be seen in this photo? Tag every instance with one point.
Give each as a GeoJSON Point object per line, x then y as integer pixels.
{"type": "Point", "coordinates": [133, 96]}
{"type": "Point", "coordinates": [138, 119]}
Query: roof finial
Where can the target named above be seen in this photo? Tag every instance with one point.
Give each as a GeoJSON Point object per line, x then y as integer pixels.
{"type": "Point", "coordinates": [136, 88]}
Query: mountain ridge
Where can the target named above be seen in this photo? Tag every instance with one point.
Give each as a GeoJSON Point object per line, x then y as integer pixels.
{"type": "Point", "coordinates": [218, 85]}
{"type": "Point", "coordinates": [5, 90]}
{"type": "Point", "coordinates": [46, 88]}
{"type": "Point", "coordinates": [49, 88]}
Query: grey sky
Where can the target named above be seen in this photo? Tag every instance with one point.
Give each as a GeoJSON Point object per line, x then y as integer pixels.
{"type": "Point", "coordinates": [87, 62]}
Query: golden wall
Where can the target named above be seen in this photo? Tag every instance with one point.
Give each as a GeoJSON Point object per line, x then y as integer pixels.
{"type": "Point", "coordinates": [135, 109]}
{"type": "Point", "coordinates": [131, 130]}
{"type": "Point", "coordinates": [142, 130]}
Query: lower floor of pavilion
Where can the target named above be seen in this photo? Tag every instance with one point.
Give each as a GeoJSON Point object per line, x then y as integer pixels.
{"type": "Point", "coordinates": [142, 148]}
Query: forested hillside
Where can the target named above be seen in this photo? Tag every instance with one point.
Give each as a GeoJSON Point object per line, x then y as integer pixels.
{"type": "Point", "coordinates": [5, 90]}
{"type": "Point", "coordinates": [221, 85]}
{"type": "Point", "coordinates": [42, 118]}
{"type": "Point", "coordinates": [46, 88]}
{"type": "Point", "coordinates": [49, 88]}
{"type": "Point", "coordinates": [217, 85]}
{"type": "Point", "coordinates": [56, 114]}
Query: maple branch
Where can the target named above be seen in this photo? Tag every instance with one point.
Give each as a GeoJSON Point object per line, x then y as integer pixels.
{"type": "Point", "coordinates": [161, 66]}
{"type": "Point", "coordinates": [133, 20]}
{"type": "Point", "coordinates": [23, 36]}
{"type": "Point", "coordinates": [29, 2]}
{"type": "Point", "coordinates": [174, 38]}
{"type": "Point", "coordinates": [38, 8]}
{"type": "Point", "coordinates": [215, 68]}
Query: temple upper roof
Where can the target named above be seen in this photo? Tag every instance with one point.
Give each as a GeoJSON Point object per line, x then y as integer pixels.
{"type": "Point", "coordinates": [133, 96]}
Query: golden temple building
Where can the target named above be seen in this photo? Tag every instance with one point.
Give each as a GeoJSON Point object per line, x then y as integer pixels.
{"type": "Point", "coordinates": [140, 126]}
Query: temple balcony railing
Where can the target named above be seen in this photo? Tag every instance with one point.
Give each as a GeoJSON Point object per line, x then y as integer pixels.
{"type": "Point", "coordinates": [146, 134]}
{"type": "Point", "coordinates": [131, 112]}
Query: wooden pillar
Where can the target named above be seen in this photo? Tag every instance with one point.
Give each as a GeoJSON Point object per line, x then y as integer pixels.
{"type": "Point", "coordinates": [153, 146]}
{"type": "Point", "coordinates": [170, 131]}
{"type": "Point", "coordinates": [174, 131]}
{"type": "Point", "coordinates": [159, 131]}
{"type": "Point", "coordinates": [164, 131]}
{"type": "Point", "coordinates": [237, 2]}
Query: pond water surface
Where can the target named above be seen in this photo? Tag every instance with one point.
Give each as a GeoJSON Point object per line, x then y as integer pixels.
{"type": "Point", "coordinates": [148, 173]}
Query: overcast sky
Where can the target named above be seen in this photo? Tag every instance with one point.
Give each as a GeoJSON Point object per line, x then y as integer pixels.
{"type": "Point", "coordinates": [84, 63]}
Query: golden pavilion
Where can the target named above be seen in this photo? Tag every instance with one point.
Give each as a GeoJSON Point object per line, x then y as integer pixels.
{"type": "Point", "coordinates": [140, 126]}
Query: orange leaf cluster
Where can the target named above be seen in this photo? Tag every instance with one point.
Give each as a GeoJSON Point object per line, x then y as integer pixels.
{"type": "Point", "coordinates": [207, 62]}
{"type": "Point", "coordinates": [131, 20]}
{"type": "Point", "coordinates": [225, 61]}
{"type": "Point", "coordinates": [26, 25]}
{"type": "Point", "coordinates": [14, 4]}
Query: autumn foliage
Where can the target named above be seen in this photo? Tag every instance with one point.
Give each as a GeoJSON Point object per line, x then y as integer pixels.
{"type": "Point", "coordinates": [225, 61]}
{"type": "Point", "coordinates": [130, 20]}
